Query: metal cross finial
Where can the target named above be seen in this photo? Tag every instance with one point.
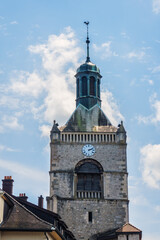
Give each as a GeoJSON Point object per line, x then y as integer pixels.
{"type": "Point", "coordinates": [87, 41]}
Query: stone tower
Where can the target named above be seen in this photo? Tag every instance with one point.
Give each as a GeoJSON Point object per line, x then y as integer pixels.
{"type": "Point", "coordinates": [88, 164]}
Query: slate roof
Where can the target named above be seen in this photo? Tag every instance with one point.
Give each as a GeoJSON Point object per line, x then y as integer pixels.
{"type": "Point", "coordinates": [108, 235]}
{"type": "Point", "coordinates": [113, 233]}
{"type": "Point", "coordinates": [22, 215]}
{"type": "Point", "coordinates": [20, 218]}
{"type": "Point", "coordinates": [46, 215]}
{"type": "Point", "coordinates": [84, 120]}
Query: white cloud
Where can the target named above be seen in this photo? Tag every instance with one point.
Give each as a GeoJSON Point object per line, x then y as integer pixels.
{"type": "Point", "coordinates": [1, 129]}
{"type": "Point", "coordinates": [155, 117]}
{"type": "Point", "coordinates": [45, 129]}
{"type": "Point", "coordinates": [36, 177]}
{"type": "Point", "coordinates": [22, 170]}
{"type": "Point", "coordinates": [27, 84]}
{"type": "Point", "coordinates": [110, 106]}
{"type": "Point", "coordinates": [156, 69]}
{"type": "Point", "coordinates": [139, 200]}
{"type": "Point", "coordinates": [11, 122]}
{"type": "Point", "coordinates": [124, 35]}
{"type": "Point", "coordinates": [146, 78]}
{"type": "Point", "coordinates": [8, 149]}
{"type": "Point", "coordinates": [157, 208]}
{"type": "Point", "coordinates": [156, 6]}
{"type": "Point", "coordinates": [9, 102]}
{"type": "Point", "coordinates": [55, 83]}
{"type": "Point", "coordinates": [150, 165]}
{"type": "Point", "coordinates": [14, 22]}
{"type": "Point", "coordinates": [105, 50]}
{"type": "Point", "coordinates": [150, 81]}
{"type": "Point", "coordinates": [58, 51]}
{"type": "Point", "coordinates": [154, 236]}
{"type": "Point", "coordinates": [136, 55]}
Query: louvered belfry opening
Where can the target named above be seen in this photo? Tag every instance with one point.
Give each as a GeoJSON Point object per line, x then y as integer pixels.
{"type": "Point", "coordinates": [92, 86]}
{"type": "Point", "coordinates": [89, 180]}
{"type": "Point", "coordinates": [84, 86]}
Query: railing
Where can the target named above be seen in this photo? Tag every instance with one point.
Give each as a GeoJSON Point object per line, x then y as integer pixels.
{"type": "Point", "coordinates": [89, 194]}
{"type": "Point", "coordinates": [88, 137]}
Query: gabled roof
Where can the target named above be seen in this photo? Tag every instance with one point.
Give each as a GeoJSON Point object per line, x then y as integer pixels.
{"type": "Point", "coordinates": [47, 216]}
{"type": "Point", "coordinates": [128, 228]}
{"type": "Point", "coordinates": [20, 218]}
{"type": "Point", "coordinates": [21, 215]}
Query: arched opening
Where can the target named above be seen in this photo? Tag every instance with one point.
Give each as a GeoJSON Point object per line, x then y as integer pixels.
{"type": "Point", "coordinates": [84, 86]}
{"type": "Point", "coordinates": [92, 86]}
{"type": "Point", "coordinates": [98, 88]}
{"type": "Point", "coordinates": [78, 88]}
{"type": "Point", "coordinates": [89, 179]}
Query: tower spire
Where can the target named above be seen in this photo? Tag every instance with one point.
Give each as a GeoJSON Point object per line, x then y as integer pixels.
{"type": "Point", "coordinates": [87, 41]}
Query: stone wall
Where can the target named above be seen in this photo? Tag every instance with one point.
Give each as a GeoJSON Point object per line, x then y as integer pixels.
{"type": "Point", "coordinates": [106, 215]}
{"type": "Point", "coordinates": [112, 157]}
{"type": "Point", "coordinates": [108, 212]}
{"type": "Point", "coordinates": [65, 156]}
{"type": "Point", "coordinates": [133, 236]}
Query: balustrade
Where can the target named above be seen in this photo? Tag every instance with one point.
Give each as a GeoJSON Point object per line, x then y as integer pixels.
{"type": "Point", "coordinates": [88, 137]}
{"type": "Point", "coordinates": [89, 194]}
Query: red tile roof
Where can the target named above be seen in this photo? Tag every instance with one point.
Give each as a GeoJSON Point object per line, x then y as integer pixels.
{"type": "Point", "coordinates": [128, 228]}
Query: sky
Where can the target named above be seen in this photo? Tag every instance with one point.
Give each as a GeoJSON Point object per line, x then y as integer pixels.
{"type": "Point", "coordinates": [42, 43]}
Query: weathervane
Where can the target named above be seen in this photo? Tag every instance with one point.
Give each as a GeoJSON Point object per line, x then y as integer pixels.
{"type": "Point", "coordinates": [87, 41]}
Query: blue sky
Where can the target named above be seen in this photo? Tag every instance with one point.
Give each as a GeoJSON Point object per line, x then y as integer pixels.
{"type": "Point", "coordinates": [42, 44]}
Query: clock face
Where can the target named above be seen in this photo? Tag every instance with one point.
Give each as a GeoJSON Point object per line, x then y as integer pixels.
{"type": "Point", "coordinates": [88, 150]}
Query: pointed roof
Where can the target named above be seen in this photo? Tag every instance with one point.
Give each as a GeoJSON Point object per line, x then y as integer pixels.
{"type": "Point", "coordinates": [55, 127]}
{"type": "Point", "coordinates": [128, 228]}
{"type": "Point", "coordinates": [121, 128]}
{"type": "Point", "coordinates": [84, 120]}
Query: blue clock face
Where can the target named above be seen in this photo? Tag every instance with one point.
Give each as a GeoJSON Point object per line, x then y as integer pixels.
{"type": "Point", "coordinates": [88, 150]}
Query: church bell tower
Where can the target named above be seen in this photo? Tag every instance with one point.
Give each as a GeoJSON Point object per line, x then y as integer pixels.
{"type": "Point", "coordinates": [88, 164]}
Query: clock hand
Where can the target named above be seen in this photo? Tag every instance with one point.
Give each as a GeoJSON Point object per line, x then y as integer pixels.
{"type": "Point", "coordinates": [90, 149]}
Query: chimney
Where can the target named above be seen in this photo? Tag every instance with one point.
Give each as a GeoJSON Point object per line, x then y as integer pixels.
{"type": "Point", "coordinates": [23, 196]}
{"type": "Point", "coordinates": [7, 184]}
{"type": "Point", "coordinates": [40, 201]}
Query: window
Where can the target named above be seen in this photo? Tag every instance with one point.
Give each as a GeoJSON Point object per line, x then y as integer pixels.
{"type": "Point", "coordinates": [92, 86]}
{"type": "Point", "coordinates": [89, 175]}
{"type": "Point", "coordinates": [84, 86]}
{"type": "Point", "coordinates": [90, 217]}
{"type": "Point", "coordinates": [78, 88]}
{"type": "Point", "coordinates": [98, 88]}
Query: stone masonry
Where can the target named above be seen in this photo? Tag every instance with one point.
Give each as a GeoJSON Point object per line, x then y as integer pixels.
{"type": "Point", "coordinates": [111, 211]}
